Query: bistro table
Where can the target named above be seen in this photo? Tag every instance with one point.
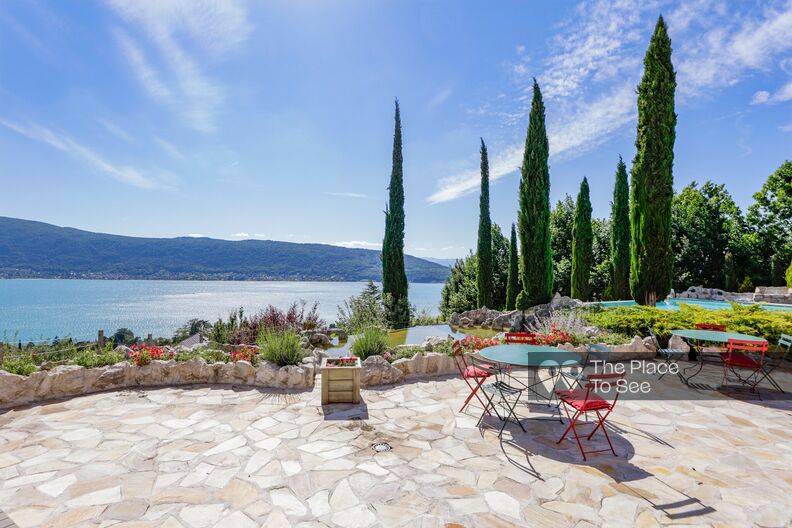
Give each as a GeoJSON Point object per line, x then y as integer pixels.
{"type": "Point", "coordinates": [534, 357]}
{"type": "Point", "coordinates": [696, 337]}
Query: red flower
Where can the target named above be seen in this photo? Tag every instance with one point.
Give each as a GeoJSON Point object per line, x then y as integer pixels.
{"type": "Point", "coordinates": [245, 353]}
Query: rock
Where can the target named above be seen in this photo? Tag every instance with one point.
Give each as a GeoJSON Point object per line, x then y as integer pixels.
{"type": "Point", "coordinates": [454, 319]}
{"type": "Point", "coordinates": [635, 349]}
{"type": "Point", "coordinates": [342, 335]}
{"type": "Point", "coordinates": [377, 371]}
{"type": "Point", "coordinates": [649, 343]}
{"type": "Point", "coordinates": [432, 341]}
{"type": "Point", "coordinates": [320, 340]}
{"type": "Point", "coordinates": [67, 380]}
{"type": "Point", "coordinates": [677, 343]}
{"type": "Point", "coordinates": [112, 376]}
{"type": "Point", "coordinates": [123, 350]}
{"type": "Point", "coordinates": [237, 372]}
{"type": "Point", "coordinates": [15, 388]}
{"type": "Point", "coordinates": [465, 322]}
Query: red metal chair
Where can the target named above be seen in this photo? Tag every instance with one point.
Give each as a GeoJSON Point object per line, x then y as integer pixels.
{"type": "Point", "coordinates": [474, 376]}
{"type": "Point", "coordinates": [525, 338]}
{"type": "Point", "coordinates": [745, 355]}
{"type": "Point", "coordinates": [579, 402]}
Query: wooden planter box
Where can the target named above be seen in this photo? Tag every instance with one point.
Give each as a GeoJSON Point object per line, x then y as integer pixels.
{"type": "Point", "coordinates": [340, 384]}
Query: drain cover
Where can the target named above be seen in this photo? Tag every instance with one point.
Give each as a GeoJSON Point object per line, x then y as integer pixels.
{"type": "Point", "coordinates": [381, 447]}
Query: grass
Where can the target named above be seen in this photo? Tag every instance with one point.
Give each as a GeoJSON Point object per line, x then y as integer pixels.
{"type": "Point", "coordinates": [91, 359]}
{"type": "Point", "coordinates": [373, 341]}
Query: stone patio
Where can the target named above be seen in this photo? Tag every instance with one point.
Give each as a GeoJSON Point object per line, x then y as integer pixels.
{"type": "Point", "coordinates": [200, 457]}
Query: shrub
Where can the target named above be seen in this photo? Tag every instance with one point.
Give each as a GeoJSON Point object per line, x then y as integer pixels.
{"type": "Point", "coordinates": [424, 318]}
{"type": "Point", "coordinates": [751, 320]}
{"type": "Point", "coordinates": [20, 366]}
{"type": "Point", "coordinates": [402, 353]}
{"type": "Point", "coordinates": [92, 359]}
{"type": "Point", "coordinates": [281, 347]}
{"type": "Point", "coordinates": [143, 355]}
{"type": "Point", "coordinates": [373, 341]}
{"type": "Point", "coordinates": [364, 310]}
{"type": "Point", "coordinates": [241, 330]}
{"type": "Point", "coordinates": [245, 353]}
{"type": "Point", "coordinates": [746, 286]}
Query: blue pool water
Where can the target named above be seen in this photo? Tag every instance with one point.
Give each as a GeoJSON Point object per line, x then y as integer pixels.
{"type": "Point", "coordinates": [673, 304]}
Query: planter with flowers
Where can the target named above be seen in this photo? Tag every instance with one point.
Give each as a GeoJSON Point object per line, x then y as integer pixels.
{"type": "Point", "coordinates": [340, 380]}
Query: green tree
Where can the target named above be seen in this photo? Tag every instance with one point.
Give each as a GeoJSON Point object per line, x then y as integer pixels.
{"type": "Point", "coordinates": [651, 264]}
{"type": "Point", "coordinates": [513, 281]}
{"type": "Point", "coordinates": [484, 252]}
{"type": "Point", "coordinates": [394, 278]}
{"type": "Point", "coordinates": [533, 219]}
{"type": "Point", "coordinates": [746, 286]}
{"type": "Point", "coordinates": [192, 327]}
{"type": "Point", "coordinates": [620, 235]}
{"type": "Point", "coordinates": [460, 291]}
{"type": "Point", "coordinates": [123, 336]}
{"type": "Point", "coordinates": [362, 311]}
{"type": "Point", "coordinates": [770, 222]}
{"type": "Point", "coordinates": [582, 245]}
{"type": "Point", "coordinates": [729, 272]}
{"type": "Point", "coordinates": [500, 267]}
{"type": "Point", "coordinates": [599, 287]}
{"type": "Point", "coordinates": [777, 269]}
{"type": "Point", "coordinates": [789, 276]}
{"type": "Point", "coordinates": [562, 218]}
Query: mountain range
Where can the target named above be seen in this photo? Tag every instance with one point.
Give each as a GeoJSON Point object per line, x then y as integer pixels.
{"type": "Point", "coordinates": [30, 249]}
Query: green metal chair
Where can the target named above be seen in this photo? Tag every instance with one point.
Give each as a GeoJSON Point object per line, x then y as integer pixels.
{"type": "Point", "coordinates": [775, 359]}
{"type": "Point", "coordinates": [669, 355]}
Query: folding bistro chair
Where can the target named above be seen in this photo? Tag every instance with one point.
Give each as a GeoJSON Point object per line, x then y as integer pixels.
{"type": "Point", "coordinates": [576, 376]}
{"type": "Point", "coordinates": [775, 360]}
{"type": "Point", "coordinates": [669, 355]}
{"type": "Point", "coordinates": [525, 338]}
{"type": "Point", "coordinates": [742, 355]}
{"type": "Point", "coordinates": [577, 402]}
{"type": "Point", "coordinates": [498, 393]}
{"type": "Point", "coordinates": [472, 375]}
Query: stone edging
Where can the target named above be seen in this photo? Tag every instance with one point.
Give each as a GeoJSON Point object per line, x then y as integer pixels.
{"type": "Point", "coordinates": [73, 380]}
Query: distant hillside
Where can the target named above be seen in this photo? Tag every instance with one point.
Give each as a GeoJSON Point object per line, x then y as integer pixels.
{"type": "Point", "coordinates": [447, 262]}
{"type": "Point", "coordinates": [35, 249]}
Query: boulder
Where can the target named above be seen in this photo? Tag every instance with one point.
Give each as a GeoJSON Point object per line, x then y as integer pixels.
{"type": "Point", "coordinates": [320, 340]}
{"type": "Point", "coordinates": [125, 350]}
{"type": "Point", "coordinates": [635, 349]}
{"type": "Point", "coordinates": [67, 380]}
{"type": "Point", "coordinates": [237, 372]}
{"type": "Point", "coordinates": [678, 343]}
{"type": "Point", "coordinates": [15, 388]}
{"type": "Point", "coordinates": [267, 374]}
{"type": "Point", "coordinates": [111, 376]}
{"type": "Point", "coordinates": [432, 341]}
{"type": "Point", "coordinates": [377, 371]}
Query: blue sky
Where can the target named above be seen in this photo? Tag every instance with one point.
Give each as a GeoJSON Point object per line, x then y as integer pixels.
{"type": "Point", "coordinates": [274, 119]}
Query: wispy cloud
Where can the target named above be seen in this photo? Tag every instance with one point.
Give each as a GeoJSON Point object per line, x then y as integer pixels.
{"type": "Point", "coordinates": [346, 194]}
{"type": "Point", "coordinates": [213, 27]}
{"type": "Point", "coordinates": [589, 77]}
{"type": "Point", "coordinates": [359, 244]}
{"type": "Point", "coordinates": [115, 130]}
{"type": "Point", "coordinates": [169, 147]}
{"type": "Point", "coordinates": [441, 96]}
{"type": "Point", "coordinates": [241, 234]}
{"type": "Point", "coordinates": [64, 143]}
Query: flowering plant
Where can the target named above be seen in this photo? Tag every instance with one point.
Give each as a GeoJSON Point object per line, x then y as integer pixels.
{"type": "Point", "coordinates": [142, 355]}
{"type": "Point", "coordinates": [245, 353]}
{"type": "Point", "coordinates": [474, 343]}
{"type": "Point", "coordinates": [342, 362]}
{"type": "Point", "coordinates": [554, 337]}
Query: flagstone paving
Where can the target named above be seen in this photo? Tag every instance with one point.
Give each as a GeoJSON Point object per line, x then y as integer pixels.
{"type": "Point", "coordinates": [217, 456]}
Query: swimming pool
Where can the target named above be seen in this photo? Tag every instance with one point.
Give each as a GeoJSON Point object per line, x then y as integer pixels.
{"type": "Point", "coordinates": [673, 304]}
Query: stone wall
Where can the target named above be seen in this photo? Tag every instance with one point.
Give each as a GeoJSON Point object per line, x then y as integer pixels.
{"type": "Point", "coordinates": [73, 380]}
{"type": "Point", "coordinates": [768, 294]}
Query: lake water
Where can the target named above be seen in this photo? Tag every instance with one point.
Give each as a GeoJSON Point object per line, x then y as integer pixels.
{"type": "Point", "coordinates": [42, 309]}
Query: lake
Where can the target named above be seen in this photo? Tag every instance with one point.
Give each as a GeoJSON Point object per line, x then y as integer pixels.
{"type": "Point", "coordinates": [42, 309]}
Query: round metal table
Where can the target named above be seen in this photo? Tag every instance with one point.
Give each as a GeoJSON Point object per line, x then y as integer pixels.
{"type": "Point", "coordinates": [696, 337]}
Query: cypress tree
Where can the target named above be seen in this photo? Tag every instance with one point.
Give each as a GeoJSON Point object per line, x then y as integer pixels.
{"type": "Point", "coordinates": [582, 245]}
{"type": "Point", "coordinates": [620, 235]}
{"type": "Point", "coordinates": [651, 264]}
{"type": "Point", "coordinates": [513, 282]}
{"type": "Point", "coordinates": [394, 278]}
{"type": "Point", "coordinates": [484, 277]}
{"type": "Point", "coordinates": [533, 219]}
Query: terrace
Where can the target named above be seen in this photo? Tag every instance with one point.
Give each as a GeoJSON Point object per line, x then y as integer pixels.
{"type": "Point", "coordinates": [202, 456]}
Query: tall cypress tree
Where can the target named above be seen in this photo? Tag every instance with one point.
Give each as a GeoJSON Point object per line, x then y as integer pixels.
{"type": "Point", "coordinates": [651, 264]}
{"type": "Point", "coordinates": [533, 219]}
{"type": "Point", "coordinates": [582, 245]}
{"type": "Point", "coordinates": [484, 277]}
{"type": "Point", "coordinates": [394, 278]}
{"type": "Point", "coordinates": [513, 281]}
{"type": "Point", "coordinates": [620, 235]}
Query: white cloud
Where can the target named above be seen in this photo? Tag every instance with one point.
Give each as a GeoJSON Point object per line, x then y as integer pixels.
{"type": "Point", "coordinates": [346, 194]}
{"type": "Point", "coordinates": [115, 130]}
{"type": "Point", "coordinates": [241, 234]}
{"type": "Point", "coordinates": [169, 147]}
{"type": "Point", "coordinates": [122, 173]}
{"type": "Point", "coordinates": [212, 26]}
{"type": "Point", "coordinates": [359, 244]}
{"type": "Point", "coordinates": [259, 235]}
{"type": "Point", "coordinates": [595, 62]}
{"type": "Point", "coordinates": [195, 235]}
{"type": "Point", "coordinates": [440, 97]}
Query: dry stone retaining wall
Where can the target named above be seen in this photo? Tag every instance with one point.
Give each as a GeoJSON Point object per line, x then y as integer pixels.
{"type": "Point", "coordinates": [73, 380]}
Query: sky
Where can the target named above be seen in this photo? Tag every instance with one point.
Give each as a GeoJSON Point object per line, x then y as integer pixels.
{"type": "Point", "coordinates": [274, 120]}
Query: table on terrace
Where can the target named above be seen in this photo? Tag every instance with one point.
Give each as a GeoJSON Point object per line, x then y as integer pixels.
{"type": "Point", "coordinates": [696, 339]}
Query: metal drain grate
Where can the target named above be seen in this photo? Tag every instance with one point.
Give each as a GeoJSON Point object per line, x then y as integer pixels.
{"type": "Point", "coordinates": [381, 447]}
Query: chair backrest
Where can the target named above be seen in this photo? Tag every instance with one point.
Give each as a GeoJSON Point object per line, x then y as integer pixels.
{"type": "Point", "coordinates": [493, 369]}
{"type": "Point", "coordinates": [525, 338]}
{"type": "Point", "coordinates": [710, 326]}
{"type": "Point", "coordinates": [458, 353]}
{"type": "Point", "coordinates": [744, 346]}
{"type": "Point", "coordinates": [655, 340]}
{"type": "Point", "coordinates": [604, 385]}
{"type": "Point", "coordinates": [784, 345]}
{"type": "Point", "coordinates": [597, 352]}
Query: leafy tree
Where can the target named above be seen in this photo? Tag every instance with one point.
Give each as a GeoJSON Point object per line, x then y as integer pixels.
{"type": "Point", "coordinates": [620, 235]}
{"type": "Point", "coordinates": [363, 311]}
{"type": "Point", "coordinates": [777, 269]}
{"type": "Point", "coordinates": [746, 286]}
{"type": "Point", "coordinates": [192, 327]}
{"type": "Point", "coordinates": [582, 245]}
{"type": "Point", "coordinates": [651, 264]}
{"type": "Point", "coordinates": [500, 264]}
{"type": "Point", "coordinates": [460, 291]}
{"type": "Point", "coordinates": [789, 276]}
{"type": "Point", "coordinates": [706, 225]}
{"type": "Point", "coordinates": [562, 218]}
{"type": "Point", "coordinates": [770, 223]}
{"type": "Point", "coordinates": [729, 272]}
{"type": "Point", "coordinates": [394, 278]}
{"type": "Point", "coordinates": [513, 281]}
{"type": "Point", "coordinates": [484, 252]}
{"type": "Point", "coordinates": [123, 336]}
{"type": "Point", "coordinates": [600, 286]}
{"type": "Point", "coordinates": [533, 219]}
